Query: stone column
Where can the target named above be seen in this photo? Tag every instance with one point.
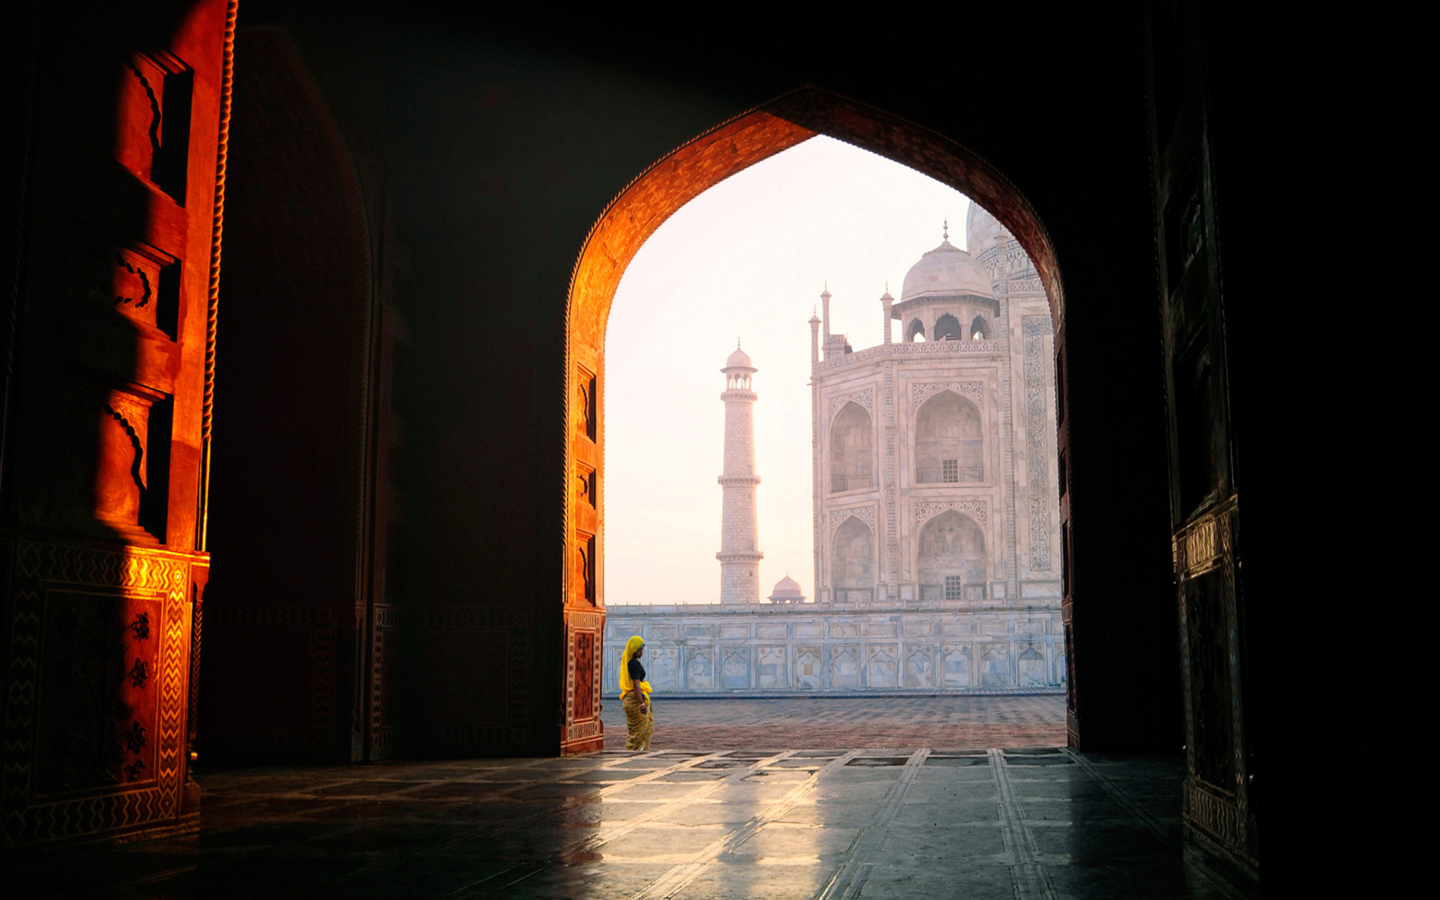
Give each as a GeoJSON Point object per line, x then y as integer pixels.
{"type": "Point", "coordinates": [739, 542]}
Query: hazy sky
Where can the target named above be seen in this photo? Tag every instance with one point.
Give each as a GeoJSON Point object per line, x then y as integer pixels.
{"type": "Point", "coordinates": [747, 259]}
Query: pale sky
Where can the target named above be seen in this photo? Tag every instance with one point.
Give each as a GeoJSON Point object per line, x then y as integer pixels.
{"type": "Point", "coordinates": [748, 259]}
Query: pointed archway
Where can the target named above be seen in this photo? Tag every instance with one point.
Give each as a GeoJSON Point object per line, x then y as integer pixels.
{"type": "Point", "coordinates": [613, 242]}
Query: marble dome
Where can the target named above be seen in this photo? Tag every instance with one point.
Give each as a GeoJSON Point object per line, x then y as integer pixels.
{"type": "Point", "coordinates": [945, 271]}
{"type": "Point", "coordinates": [787, 590]}
{"type": "Point", "coordinates": [739, 360]}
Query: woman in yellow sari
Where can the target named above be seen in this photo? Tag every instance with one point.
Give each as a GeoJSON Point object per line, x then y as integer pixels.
{"type": "Point", "coordinates": [635, 696]}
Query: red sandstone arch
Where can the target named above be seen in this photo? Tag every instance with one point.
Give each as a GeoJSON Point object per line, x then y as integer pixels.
{"type": "Point", "coordinates": [629, 221]}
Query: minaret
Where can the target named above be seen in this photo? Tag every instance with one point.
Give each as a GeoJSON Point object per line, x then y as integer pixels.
{"type": "Point", "coordinates": [814, 339]}
{"type": "Point", "coordinates": [739, 551]}
{"type": "Point", "coordinates": [825, 320]}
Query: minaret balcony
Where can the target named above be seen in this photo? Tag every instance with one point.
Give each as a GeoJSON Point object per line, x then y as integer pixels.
{"type": "Point", "coordinates": [738, 480]}
{"type": "Point", "coordinates": [740, 556]}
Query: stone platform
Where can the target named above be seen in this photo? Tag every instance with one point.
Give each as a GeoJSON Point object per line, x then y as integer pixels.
{"type": "Point", "coordinates": [775, 821]}
{"type": "Point", "coordinates": [969, 722]}
{"type": "Point", "coordinates": [765, 823]}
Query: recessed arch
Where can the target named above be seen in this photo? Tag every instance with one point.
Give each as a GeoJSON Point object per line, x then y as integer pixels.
{"type": "Point", "coordinates": [634, 215]}
{"type": "Point", "coordinates": [853, 561]}
{"type": "Point", "coordinates": [947, 328]}
{"type": "Point", "coordinates": [949, 440]}
{"type": "Point", "coordinates": [950, 558]}
{"type": "Point", "coordinates": [852, 455]}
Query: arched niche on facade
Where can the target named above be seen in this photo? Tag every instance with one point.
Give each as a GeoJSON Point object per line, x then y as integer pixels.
{"type": "Point", "coordinates": [852, 457]}
{"type": "Point", "coordinates": [852, 564]}
{"type": "Point", "coordinates": [979, 330]}
{"type": "Point", "coordinates": [949, 441]}
{"type": "Point", "coordinates": [951, 558]}
{"type": "Point", "coordinates": [915, 331]}
{"type": "Point", "coordinates": [947, 328]}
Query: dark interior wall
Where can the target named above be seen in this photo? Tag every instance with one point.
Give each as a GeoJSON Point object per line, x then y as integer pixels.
{"type": "Point", "coordinates": [503, 142]}
{"type": "Point", "coordinates": [1316, 171]}
{"type": "Point", "coordinates": [282, 624]}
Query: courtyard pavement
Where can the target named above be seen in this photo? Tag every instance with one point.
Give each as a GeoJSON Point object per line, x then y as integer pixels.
{"type": "Point", "coordinates": [839, 823]}
{"type": "Point", "coordinates": [973, 722]}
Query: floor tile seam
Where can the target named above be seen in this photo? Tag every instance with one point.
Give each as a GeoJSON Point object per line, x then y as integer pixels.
{"type": "Point", "coordinates": [500, 829]}
{"type": "Point", "coordinates": [403, 792]}
{"type": "Point", "coordinates": [701, 791]}
{"type": "Point", "coordinates": [235, 859]}
{"type": "Point", "coordinates": [1192, 861]}
{"type": "Point", "coordinates": [852, 873]}
{"type": "Point", "coordinates": [684, 873]}
{"type": "Point", "coordinates": [1028, 876]}
{"type": "Point", "coordinates": [1125, 801]}
{"type": "Point", "coordinates": [599, 839]}
{"type": "Point", "coordinates": [560, 778]}
{"type": "Point", "coordinates": [657, 774]}
{"type": "Point", "coordinates": [372, 866]}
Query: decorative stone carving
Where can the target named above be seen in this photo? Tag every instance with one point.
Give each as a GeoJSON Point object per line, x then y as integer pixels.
{"type": "Point", "coordinates": [865, 398]}
{"type": "Point", "coordinates": [899, 351]}
{"type": "Point", "coordinates": [865, 514]}
{"type": "Point", "coordinates": [56, 586]}
{"type": "Point", "coordinates": [1037, 463]}
{"type": "Point", "coordinates": [924, 512]}
{"type": "Point", "coordinates": [919, 393]}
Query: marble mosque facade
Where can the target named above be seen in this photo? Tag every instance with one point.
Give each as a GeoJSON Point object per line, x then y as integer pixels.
{"type": "Point", "coordinates": [937, 547]}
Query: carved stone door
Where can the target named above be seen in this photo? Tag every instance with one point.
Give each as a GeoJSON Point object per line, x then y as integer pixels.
{"type": "Point", "coordinates": [1204, 498]}
{"type": "Point", "coordinates": [108, 336]}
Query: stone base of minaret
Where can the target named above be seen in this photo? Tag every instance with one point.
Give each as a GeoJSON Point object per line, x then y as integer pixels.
{"type": "Point", "coordinates": [740, 577]}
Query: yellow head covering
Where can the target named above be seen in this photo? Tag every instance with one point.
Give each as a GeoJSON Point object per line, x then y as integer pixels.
{"type": "Point", "coordinates": [626, 683]}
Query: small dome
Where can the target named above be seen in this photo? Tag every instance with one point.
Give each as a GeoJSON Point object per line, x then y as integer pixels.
{"type": "Point", "coordinates": [739, 360]}
{"type": "Point", "coordinates": [787, 590]}
{"type": "Point", "coordinates": [983, 231]}
{"type": "Point", "coordinates": [945, 271]}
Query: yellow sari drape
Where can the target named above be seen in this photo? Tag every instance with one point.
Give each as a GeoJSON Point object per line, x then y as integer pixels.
{"type": "Point", "coordinates": [639, 713]}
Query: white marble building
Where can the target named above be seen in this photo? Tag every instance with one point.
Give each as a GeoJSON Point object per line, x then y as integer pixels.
{"type": "Point", "coordinates": [937, 545]}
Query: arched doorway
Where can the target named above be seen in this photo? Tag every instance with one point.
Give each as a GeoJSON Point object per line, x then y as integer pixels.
{"type": "Point", "coordinates": [613, 242]}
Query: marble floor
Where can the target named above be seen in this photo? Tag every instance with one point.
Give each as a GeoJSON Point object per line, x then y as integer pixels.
{"type": "Point", "coordinates": [767, 822]}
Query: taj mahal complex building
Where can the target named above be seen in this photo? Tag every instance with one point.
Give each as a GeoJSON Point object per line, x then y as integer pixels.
{"type": "Point", "coordinates": [937, 525]}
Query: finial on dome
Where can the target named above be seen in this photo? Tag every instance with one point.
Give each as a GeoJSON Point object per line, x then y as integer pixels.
{"type": "Point", "coordinates": [737, 342]}
{"type": "Point", "coordinates": [945, 232]}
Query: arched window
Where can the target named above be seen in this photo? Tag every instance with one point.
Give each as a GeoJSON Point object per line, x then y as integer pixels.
{"type": "Point", "coordinates": [853, 565]}
{"type": "Point", "coordinates": [978, 329]}
{"type": "Point", "coordinates": [947, 328]}
{"type": "Point", "coordinates": [948, 441]}
{"type": "Point", "coordinates": [915, 331]}
{"type": "Point", "coordinates": [851, 459]}
{"type": "Point", "coordinates": [951, 562]}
